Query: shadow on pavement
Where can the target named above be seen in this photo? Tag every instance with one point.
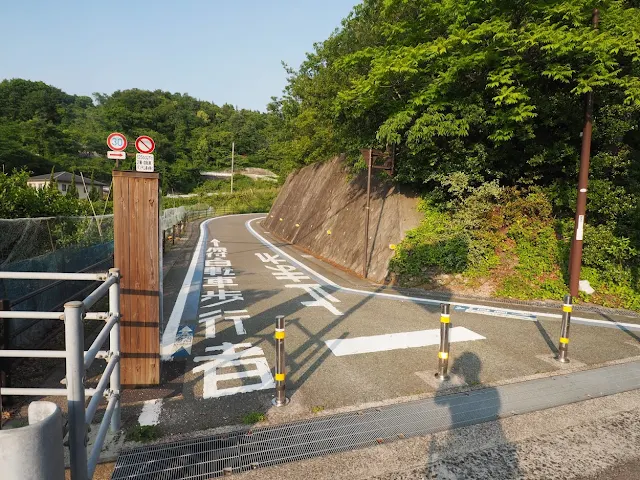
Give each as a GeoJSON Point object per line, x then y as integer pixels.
{"type": "Point", "coordinates": [444, 459]}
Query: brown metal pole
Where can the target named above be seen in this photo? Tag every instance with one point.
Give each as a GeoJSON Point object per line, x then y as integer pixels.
{"type": "Point", "coordinates": [575, 259]}
{"type": "Point", "coordinates": [366, 222]}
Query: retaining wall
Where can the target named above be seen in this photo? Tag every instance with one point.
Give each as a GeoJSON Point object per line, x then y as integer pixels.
{"type": "Point", "coordinates": [323, 211]}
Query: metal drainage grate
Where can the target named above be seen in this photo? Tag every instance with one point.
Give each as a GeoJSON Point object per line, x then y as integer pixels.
{"type": "Point", "coordinates": [203, 458]}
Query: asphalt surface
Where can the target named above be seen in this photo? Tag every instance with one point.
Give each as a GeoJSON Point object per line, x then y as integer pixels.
{"type": "Point", "coordinates": [223, 376]}
{"type": "Point", "coordinates": [512, 349]}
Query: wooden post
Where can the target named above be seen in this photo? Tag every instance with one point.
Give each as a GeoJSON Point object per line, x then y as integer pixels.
{"type": "Point", "coordinates": [136, 209]}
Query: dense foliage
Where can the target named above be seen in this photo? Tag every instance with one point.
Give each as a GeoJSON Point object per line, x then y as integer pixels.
{"type": "Point", "coordinates": [22, 201]}
{"type": "Point", "coordinates": [491, 88]}
{"type": "Point", "coordinates": [484, 102]}
{"type": "Point", "coordinates": [41, 126]}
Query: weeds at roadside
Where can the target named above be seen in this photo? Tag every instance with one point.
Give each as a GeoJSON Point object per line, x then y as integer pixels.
{"type": "Point", "coordinates": [143, 433]}
{"type": "Point", "coordinates": [254, 417]}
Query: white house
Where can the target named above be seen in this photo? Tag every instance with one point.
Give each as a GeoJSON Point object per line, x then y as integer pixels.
{"type": "Point", "coordinates": [64, 180]}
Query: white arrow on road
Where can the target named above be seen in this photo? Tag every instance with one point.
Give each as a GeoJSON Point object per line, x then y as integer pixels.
{"type": "Point", "coordinates": [184, 340]}
{"type": "Point", "coordinates": [396, 341]}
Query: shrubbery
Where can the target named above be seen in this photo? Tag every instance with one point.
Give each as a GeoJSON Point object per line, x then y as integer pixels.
{"type": "Point", "coordinates": [510, 238]}
{"type": "Point", "coordinates": [243, 201]}
{"type": "Point", "coordinates": [18, 200]}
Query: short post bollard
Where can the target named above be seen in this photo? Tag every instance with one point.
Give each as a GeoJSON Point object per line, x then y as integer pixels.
{"type": "Point", "coordinates": [563, 347]}
{"type": "Point", "coordinates": [280, 399]}
{"type": "Point", "coordinates": [443, 353]}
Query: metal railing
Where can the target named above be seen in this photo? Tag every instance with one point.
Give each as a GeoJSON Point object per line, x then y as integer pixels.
{"type": "Point", "coordinates": [78, 361]}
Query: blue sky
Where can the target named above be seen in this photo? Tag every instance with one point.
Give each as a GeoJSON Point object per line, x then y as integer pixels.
{"type": "Point", "coordinates": [224, 51]}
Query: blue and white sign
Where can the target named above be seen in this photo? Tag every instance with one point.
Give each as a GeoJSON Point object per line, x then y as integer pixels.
{"type": "Point", "coordinates": [496, 312]}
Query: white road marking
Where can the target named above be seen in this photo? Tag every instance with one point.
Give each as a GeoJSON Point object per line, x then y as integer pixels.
{"type": "Point", "coordinates": [237, 322]}
{"type": "Point", "coordinates": [395, 341]}
{"type": "Point", "coordinates": [393, 296]}
{"type": "Point", "coordinates": [232, 358]}
{"type": "Point", "coordinates": [150, 414]}
{"type": "Point", "coordinates": [320, 296]}
{"type": "Point", "coordinates": [167, 345]}
{"type": "Point", "coordinates": [210, 322]}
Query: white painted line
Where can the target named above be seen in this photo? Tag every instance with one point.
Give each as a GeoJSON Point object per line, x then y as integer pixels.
{"type": "Point", "coordinates": [167, 345]}
{"type": "Point", "coordinates": [150, 414]}
{"type": "Point", "coordinates": [392, 296]}
{"type": "Point", "coordinates": [396, 341]}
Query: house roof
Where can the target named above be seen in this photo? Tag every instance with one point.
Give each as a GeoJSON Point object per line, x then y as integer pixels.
{"type": "Point", "coordinates": [65, 177]}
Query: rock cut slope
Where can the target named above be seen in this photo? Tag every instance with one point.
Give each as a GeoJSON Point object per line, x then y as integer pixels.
{"type": "Point", "coordinates": [322, 210]}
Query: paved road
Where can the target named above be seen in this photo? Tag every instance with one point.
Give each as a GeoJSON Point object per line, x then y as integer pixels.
{"type": "Point", "coordinates": [350, 345]}
{"type": "Point", "coordinates": [242, 278]}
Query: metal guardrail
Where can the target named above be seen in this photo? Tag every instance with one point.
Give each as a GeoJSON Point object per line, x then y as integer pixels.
{"type": "Point", "coordinates": [78, 360]}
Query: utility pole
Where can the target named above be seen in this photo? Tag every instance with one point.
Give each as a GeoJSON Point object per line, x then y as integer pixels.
{"type": "Point", "coordinates": [233, 151]}
{"type": "Point", "coordinates": [365, 260]}
{"type": "Point", "coordinates": [575, 259]}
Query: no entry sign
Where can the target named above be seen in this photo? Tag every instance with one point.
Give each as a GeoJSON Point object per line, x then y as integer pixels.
{"type": "Point", "coordinates": [145, 144]}
{"type": "Point", "coordinates": [117, 142]}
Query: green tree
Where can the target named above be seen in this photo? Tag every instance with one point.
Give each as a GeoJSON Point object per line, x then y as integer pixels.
{"type": "Point", "coordinates": [72, 191]}
{"type": "Point", "coordinates": [41, 127]}
{"type": "Point", "coordinates": [94, 193]}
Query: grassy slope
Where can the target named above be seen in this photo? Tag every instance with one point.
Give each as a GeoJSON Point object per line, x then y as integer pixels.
{"type": "Point", "coordinates": [511, 246]}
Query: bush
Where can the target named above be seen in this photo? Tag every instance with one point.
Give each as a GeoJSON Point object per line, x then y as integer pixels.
{"type": "Point", "coordinates": [437, 243]}
{"type": "Point", "coordinates": [18, 200]}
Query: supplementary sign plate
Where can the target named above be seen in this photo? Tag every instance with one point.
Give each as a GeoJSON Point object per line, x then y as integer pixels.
{"type": "Point", "coordinates": [117, 155]}
{"type": "Point", "coordinates": [144, 162]}
{"type": "Point", "coordinates": [145, 144]}
{"type": "Point", "coordinates": [117, 142]}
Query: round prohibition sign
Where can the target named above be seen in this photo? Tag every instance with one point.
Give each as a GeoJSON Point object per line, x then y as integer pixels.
{"type": "Point", "coordinates": [145, 144]}
{"type": "Point", "coordinates": [117, 142]}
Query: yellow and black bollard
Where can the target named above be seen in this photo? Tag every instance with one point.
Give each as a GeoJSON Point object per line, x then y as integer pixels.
{"type": "Point", "coordinates": [563, 347]}
{"type": "Point", "coordinates": [443, 353]}
{"type": "Point", "coordinates": [280, 399]}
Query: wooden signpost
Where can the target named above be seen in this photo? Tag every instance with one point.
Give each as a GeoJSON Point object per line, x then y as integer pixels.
{"type": "Point", "coordinates": [137, 247]}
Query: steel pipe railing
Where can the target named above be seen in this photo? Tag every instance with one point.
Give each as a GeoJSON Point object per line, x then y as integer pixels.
{"type": "Point", "coordinates": [53, 276]}
{"type": "Point", "coordinates": [36, 315]}
{"type": "Point", "coordinates": [43, 392]}
{"type": "Point", "coordinates": [102, 433]}
{"type": "Point", "coordinates": [100, 389]}
{"type": "Point", "coordinates": [99, 292]}
{"type": "Point", "coordinates": [33, 354]}
{"type": "Point", "coordinates": [78, 361]}
{"type": "Point", "coordinates": [40, 290]}
{"type": "Point", "coordinates": [90, 354]}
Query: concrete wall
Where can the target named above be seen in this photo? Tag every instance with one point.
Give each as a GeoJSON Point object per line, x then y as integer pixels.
{"type": "Point", "coordinates": [321, 198]}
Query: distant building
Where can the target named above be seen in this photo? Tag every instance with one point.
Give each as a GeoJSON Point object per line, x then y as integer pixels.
{"type": "Point", "coordinates": [64, 180]}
